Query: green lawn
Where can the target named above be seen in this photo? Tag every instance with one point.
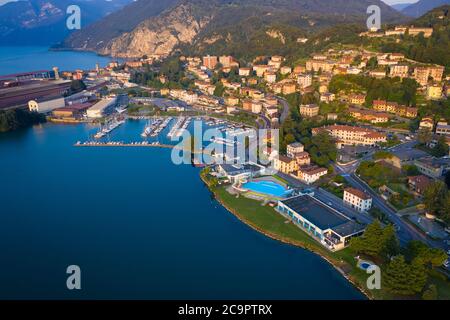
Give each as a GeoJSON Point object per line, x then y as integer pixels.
{"type": "Point", "coordinates": [268, 221]}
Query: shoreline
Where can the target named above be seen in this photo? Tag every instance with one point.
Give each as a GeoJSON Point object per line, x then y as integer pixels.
{"type": "Point", "coordinates": [286, 241]}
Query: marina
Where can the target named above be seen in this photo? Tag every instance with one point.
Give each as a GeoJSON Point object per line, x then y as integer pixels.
{"type": "Point", "coordinates": [109, 127]}
{"type": "Point", "coordinates": [180, 126]}
{"type": "Point", "coordinates": [155, 126]}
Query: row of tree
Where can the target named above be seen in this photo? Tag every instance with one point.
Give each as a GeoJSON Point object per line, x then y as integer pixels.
{"type": "Point", "coordinates": [16, 119]}
{"type": "Point", "coordinates": [404, 270]}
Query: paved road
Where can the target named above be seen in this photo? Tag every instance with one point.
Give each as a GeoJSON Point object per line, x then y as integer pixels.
{"type": "Point", "coordinates": [285, 111]}
{"type": "Point", "coordinates": [405, 231]}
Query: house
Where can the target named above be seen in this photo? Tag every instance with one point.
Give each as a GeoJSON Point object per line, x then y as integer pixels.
{"type": "Point", "coordinates": [327, 97]}
{"type": "Point", "coordinates": [304, 80]}
{"type": "Point", "coordinates": [432, 167]}
{"type": "Point", "coordinates": [401, 71]}
{"type": "Point", "coordinates": [320, 65]}
{"type": "Point", "coordinates": [231, 101]}
{"type": "Point", "coordinates": [294, 148]}
{"type": "Point", "coordinates": [261, 69]}
{"type": "Point", "coordinates": [311, 173]}
{"type": "Point", "coordinates": [238, 172]}
{"type": "Point", "coordinates": [369, 115]}
{"type": "Point", "coordinates": [332, 116]}
{"type": "Point", "coordinates": [302, 158]}
{"type": "Point", "coordinates": [357, 199]}
{"type": "Point", "coordinates": [419, 184]}
{"type": "Point", "coordinates": [426, 124]}
{"type": "Point", "coordinates": [210, 62]}
{"type": "Point", "coordinates": [427, 32]}
{"type": "Point", "coordinates": [289, 87]}
{"type": "Point", "coordinates": [285, 70]}
{"type": "Point", "coordinates": [434, 92]}
{"type": "Point", "coordinates": [358, 99]}
{"type": "Point", "coordinates": [348, 135]}
{"type": "Point", "coordinates": [379, 74]}
{"type": "Point", "coordinates": [442, 128]}
{"type": "Point", "coordinates": [245, 72]}
{"type": "Point", "coordinates": [285, 164]}
{"type": "Point", "coordinates": [309, 110]}
{"type": "Point", "coordinates": [270, 77]}
{"type": "Point", "coordinates": [328, 226]}
{"type": "Point", "coordinates": [257, 107]}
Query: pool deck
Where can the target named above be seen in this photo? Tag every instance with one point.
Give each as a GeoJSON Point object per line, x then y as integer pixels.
{"type": "Point", "coordinates": [256, 195]}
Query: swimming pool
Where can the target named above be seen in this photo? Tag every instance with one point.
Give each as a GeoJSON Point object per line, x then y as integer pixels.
{"type": "Point", "coordinates": [268, 188]}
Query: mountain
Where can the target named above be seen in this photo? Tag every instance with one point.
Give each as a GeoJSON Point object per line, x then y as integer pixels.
{"type": "Point", "coordinates": [423, 6]}
{"type": "Point", "coordinates": [400, 6]}
{"type": "Point", "coordinates": [154, 28]}
{"type": "Point", "coordinates": [435, 49]}
{"type": "Point", "coordinates": [43, 22]}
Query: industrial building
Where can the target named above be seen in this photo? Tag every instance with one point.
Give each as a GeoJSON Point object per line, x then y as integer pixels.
{"type": "Point", "coordinates": [101, 108]}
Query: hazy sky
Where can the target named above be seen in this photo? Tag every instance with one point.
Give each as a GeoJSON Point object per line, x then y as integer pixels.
{"type": "Point", "coordinates": [387, 1]}
{"type": "Point", "coordinates": [396, 1]}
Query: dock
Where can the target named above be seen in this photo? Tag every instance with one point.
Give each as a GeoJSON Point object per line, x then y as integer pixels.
{"type": "Point", "coordinates": [137, 144]}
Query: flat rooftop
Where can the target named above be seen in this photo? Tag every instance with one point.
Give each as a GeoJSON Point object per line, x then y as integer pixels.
{"type": "Point", "coordinates": [315, 212]}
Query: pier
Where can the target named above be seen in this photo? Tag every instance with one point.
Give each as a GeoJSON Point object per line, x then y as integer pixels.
{"type": "Point", "coordinates": [137, 144]}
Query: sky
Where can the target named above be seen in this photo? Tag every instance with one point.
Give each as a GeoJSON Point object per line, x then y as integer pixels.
{"type": "Point", "coordinates": [387, 1]}
{"type": "Point", "coordinates": [396, 1]}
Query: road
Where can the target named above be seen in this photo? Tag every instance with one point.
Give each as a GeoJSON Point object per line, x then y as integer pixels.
{"type": "Point", "coordinates": [285, 111]}
{"type": "Point", "coordinates": [405, 231]}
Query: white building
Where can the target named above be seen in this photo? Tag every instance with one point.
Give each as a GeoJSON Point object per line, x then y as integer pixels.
{"type": "Point", "coordinates": [357, 199]}
{"type": "Point", "coordinates": [310, 174]}
{"type": "Point", "coordinates": [99, 109]}
{"type": "Point", "coordinates": [304, 80]}
{"type": "Point", "coordinates": [45, 106]}
{"type": "Point", "coordinates": [294, 148]}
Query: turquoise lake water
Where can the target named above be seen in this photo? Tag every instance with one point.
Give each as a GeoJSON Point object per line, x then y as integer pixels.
{"type": "Point", "coordinates": [137, 225]}
{"type": "Point", "coordinates": [31, 58]}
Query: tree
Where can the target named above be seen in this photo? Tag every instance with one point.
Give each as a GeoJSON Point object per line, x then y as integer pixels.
{"type": "Point", "coordinates": [403, 278]}
{"type": "Point", "coordinates": [376, 241]}
{"type": "Point", "coordinates": [431, 293]}
{"type": "Point", "coordinates": [424, 136]}
{"type": "Point", "coordinates": [411, 170]}
{"type": "Point", "coordinates": [441, 148]}
{"type": "Point", "coordinates": [219, 90]}
{"type": "Point", "coordinates": [397, 278]}
{"type": "Point", "coordinates": [435, 198]}
{"type": "Point", "coordinates": [433, 257]}
{"type": "Point", "coordinates": [77, 86]}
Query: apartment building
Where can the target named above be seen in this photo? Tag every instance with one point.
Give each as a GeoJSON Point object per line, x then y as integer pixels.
{"type": "Point", "coordinates": [294, 148]}
{"type": "Point", "coordinates": [309, 110]}
{"type": "Point", "coordinates": [285, 164]}
{"type": "Point", "coordinates": [348, 135]}
{"type": "Point", "coordinates": [357, 199]}
{"type": "Point", "coordinates": [210, 62]}
{"type": "Point", "coordinates": [311, 173]}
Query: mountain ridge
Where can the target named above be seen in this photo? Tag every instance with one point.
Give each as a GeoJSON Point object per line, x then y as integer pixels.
{"type": "Point", "coordinates": [201, 18]}
{"type": "Point", "coordinates": [421, 7]}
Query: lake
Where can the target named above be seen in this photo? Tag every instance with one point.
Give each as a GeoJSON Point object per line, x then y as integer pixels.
{"type": "Point", "coordinates": [31, 58]}
{"type": "Point", "coordinates": [138, 226]}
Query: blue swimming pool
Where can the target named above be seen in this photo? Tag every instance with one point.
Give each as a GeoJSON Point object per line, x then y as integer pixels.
{"type": "Point", "coordinates": [268, 188]}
